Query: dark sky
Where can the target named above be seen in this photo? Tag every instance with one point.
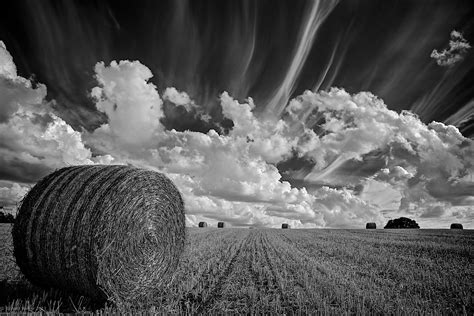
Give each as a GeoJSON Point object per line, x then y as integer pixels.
{"type": "Point", "coordinates": [245, 48]}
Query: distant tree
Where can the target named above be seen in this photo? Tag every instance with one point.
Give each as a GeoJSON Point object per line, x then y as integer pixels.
{"type": "Point", "coordinates": [402, 222]}
{"type": "Point", "coordinates": [6, 218]}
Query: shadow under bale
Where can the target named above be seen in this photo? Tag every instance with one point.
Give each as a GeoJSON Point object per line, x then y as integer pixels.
{"type": "Point", "coordinates": [107, 232]}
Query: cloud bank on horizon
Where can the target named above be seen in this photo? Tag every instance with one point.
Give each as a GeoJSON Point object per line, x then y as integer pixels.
{"type": "Point", "coordinates": [363, 162]}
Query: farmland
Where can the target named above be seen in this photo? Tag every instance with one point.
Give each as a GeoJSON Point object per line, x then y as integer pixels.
{"type": "Point", "coordinates": [290, 271]}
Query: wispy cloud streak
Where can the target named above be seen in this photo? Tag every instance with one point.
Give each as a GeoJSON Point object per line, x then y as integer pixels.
{"type": "Point", "coordinates": [319, 11]}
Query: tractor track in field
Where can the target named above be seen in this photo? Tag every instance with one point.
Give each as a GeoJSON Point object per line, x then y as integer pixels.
{"type": "Point", "coordinates": [310, 256]}
{"type": "Point", "coordinates": [303, 254]}
{"type": "Point", "coordinates": [299, 252]}
{"type": "Point", "coordinates": [266, 246]}
{"type": "Point", "coordinates": [287, 302]}
{"type": "Point", "coordinates": [267, 283]}
{"type": "Point", "coordinates": [251, 263]}
{"type": "Point", "coordinates": [295, 258]}
{"type": "Point", "coordinates": [215, 291]}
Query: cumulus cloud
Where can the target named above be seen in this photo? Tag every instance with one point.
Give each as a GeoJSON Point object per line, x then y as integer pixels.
{"type": "Point", "coordinates": [183, 100]}
{"type": "Point", "coordinates": [351, 140]}
{"type": "Point", "coordinates": [354, 145]}
{"type": "Point", "coordinates": [458, 47]}
{"type": "Point", "coordinates": [326, 207]}
{"type": "Point", "coordinates": [232, 176]}
{"type": "Point", "coordinates": [428, 164]}
{"type": "Point", "coordinates": [33, 140]}
{"type": "Point", "coordinates": [11, 193]}
{"type": "Point", "coordinates": [7, 66]}
{"type": "Point", "coordinates": [434, 211]}
{"type": "Point", "coordinates": [394, 174]}
{"type": "Point", "coordinates": [178, 98]}
{"type": "Point", "coordinates": [132, 104]}
{"type": "Point", "coordinates": [15, 90]}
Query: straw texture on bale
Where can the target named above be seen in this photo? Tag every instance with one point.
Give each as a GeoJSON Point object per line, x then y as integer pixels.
{"type": "Point", "coordinates": [285, 226]}
{"type": "Point", "coordinates": [220, 224]}
{"type": "Point", "coordinates": [108, 232]}
{"type": "Point", "coordinates": [456, 226]}
{"type": "Point", "coordinates": [370, 226]}
{"type": "Point", "coordinates": [202, 224]}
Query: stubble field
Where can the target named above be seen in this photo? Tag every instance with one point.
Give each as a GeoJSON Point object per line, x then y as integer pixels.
{"type": "Point", "coordinates": [295, 271]}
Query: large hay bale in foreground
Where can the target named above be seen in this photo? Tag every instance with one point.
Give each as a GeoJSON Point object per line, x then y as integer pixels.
{"type": "Point", "coordinates": [370, 226]}
{"type": "Point", "coordinates": [285, 226]}
{"type": "Point", "coordinates": [202, 224]}
{"type": "Point", "coordinates": [113, 232]}
{"type": "Point", "coordinates": [220, 225]}
{"type": "Point", "coordinates": [456, 226]}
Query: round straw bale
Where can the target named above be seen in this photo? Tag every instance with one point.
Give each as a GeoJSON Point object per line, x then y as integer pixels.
{"type": "Point", "coordinates": [370, 226]}
{"type": "Point", "coordinates": [202, 224]}
{"type": "Point", "coordinates": [108, 232]}
{"type": "Point", "coordinates": [285, 226]}
{"type": "Point", "coordinates": [220, 225]}
{"type": "Point", "coordinates": [456, 226]}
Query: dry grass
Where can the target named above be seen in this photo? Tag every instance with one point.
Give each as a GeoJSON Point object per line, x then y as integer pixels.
{"type": "Point", "coordinates": [108, 232]}
{"type": "Point", "coordinates": [328, 272]}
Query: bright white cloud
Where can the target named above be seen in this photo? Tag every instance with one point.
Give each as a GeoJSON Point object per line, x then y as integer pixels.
{"type": "Point", "coordinates": [221, 175]}
{"type": "Point", "coordinates": [269, 139]}
{"type": "Point", "coordinates": [132, 105]}
{"type": "Point", "coordinates": [178, 98]}
{"type": "Point", "coordinates": [458, 47]}
{"type": "Point", "coordinates": [421, 161]}
{"type": "Point", "coordinates": [15, 90]}
{"type": "Point", "coordinates": [11, 193]}
{"type": "Point", "coordinates": [182, 99]}
{"type": "Point", "coordinates": [33, 140]}
{"type": "Point", "coordinates": [7, 66]}
{"type": "Point", "coordinates": [233, 177]}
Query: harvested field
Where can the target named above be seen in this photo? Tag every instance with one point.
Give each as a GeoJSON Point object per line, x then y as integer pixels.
{"type": "Point", "coordinates": [288, 271]}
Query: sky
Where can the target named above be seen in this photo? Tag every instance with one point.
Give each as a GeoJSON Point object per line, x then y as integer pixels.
{"type": "Point", "coordinates": [320, 114]}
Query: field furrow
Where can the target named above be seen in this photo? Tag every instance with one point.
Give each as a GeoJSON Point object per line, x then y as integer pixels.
{"type": "Point", "coordinates": [214, 284]}
{"type": "Point", "coordinates": [274, 271]}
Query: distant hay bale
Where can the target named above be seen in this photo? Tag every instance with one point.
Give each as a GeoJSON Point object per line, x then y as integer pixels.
{"type": "Point", "coordinates": [220, 225]}
{"type": "Point", "coordinates": [202, 224]}
{"type": "Point", "coordinates": [108, 232]}
{"type": "Point", "coordinates": [371, 226]}
{"type": "Point", "coordinates": [456, 226]}
{"type": "Point", "coordinates": [285, 226]}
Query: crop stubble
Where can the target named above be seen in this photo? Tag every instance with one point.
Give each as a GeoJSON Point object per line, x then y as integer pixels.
{"type": "Point", "coordinates": [332, 271]}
